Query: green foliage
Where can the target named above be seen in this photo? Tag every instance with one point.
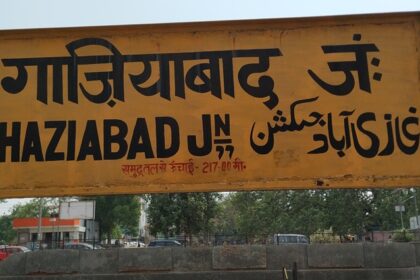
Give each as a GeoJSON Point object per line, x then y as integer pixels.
{"type": "Point", "coordinates": [117, 232]}
{"type": "Point", "coordinates": [305, 211]}
{"type": "Point", "coordinates": [263, 213]}
{"type": "Point", "coordinates": [7, 234]}
{"type": "Point", "coordinates": [27, 210]}
{"type": "Point", "coordinates": [325, 236]}
{"type": "Point", "coordinates": [117, 214]}
{"type": "Point", "coordinates": [346, 211]}
{"type": "Point", "coordinates": [342, 211]}
{"type": "Point", "coordinates": [251, 214]}
{"type": "Point", "coordinates": [402, 236]}
{"type": "Point", "coordinates": [187, 213]}
{"type": "Point", "coordinates": [162, 214]}
{"type": "Point", "coordinates": [226, 220]}
{"type": "Point", "coordinates": [249, 219]}
{"type": "Point", "coordinates": [31, 208]}
{"type": "Point", "coordinates": [383, 204]}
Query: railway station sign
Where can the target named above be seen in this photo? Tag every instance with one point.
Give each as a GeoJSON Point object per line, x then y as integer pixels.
{"type": "Point", "coordinates": [269, 104]}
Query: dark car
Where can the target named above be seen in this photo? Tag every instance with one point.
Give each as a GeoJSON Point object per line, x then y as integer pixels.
{"type": "Point", "coordinates": [165, 243]}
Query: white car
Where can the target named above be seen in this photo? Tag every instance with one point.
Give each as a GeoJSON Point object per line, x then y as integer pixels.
{"type": "Point", "coordinates": [81, 246]}
{"type": "Point", "coordinates": [134, 244]}
{"type": "Point", "coordinates": [290, 239]}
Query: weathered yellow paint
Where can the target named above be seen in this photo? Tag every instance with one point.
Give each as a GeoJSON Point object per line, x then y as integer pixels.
{"type": "Point", "coordinates": [287, 165]}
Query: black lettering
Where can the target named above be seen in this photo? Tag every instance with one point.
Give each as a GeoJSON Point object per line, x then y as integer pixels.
{"type": "Point", "coordinates": [140, 142]}
{"type": "Point", "coordinates": [117, 139]}
{"type": "Point", "coordinates": [268, 137]}
{"type": "Point", "coordinates": [360, 65]}
{"type": "Point", "coordinates": [389, 149]}
{"type": "Point", "coordinates": [71, 140]}
{"type": "Point", "coordinates": [374, 147]}
{"type": "Point", "coordinates": [204, 150]}
{"type": "Point", "coordinates": [220, 125]}
{"type": "Point", "coordinates": [12, 141]}
{"type": "Point", "coordinates": [90, 143]}
{"type": "Point", "coordinates": [51, 154]}
{"type": "Point", "coordinates": [337, 144]}
{"type": "Point", "coordinates": [324, 147]}
{"type": "Point", "coordinates": [413, 138]}
{"type": "Point", "coordinates": [161, 150]}
{"type": "Point", "coordinates": [265, 86]}
{"type": "Point", "coordinates": [32, 143]}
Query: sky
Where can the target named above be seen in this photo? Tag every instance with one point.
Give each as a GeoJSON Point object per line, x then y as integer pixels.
{"type": "Point", "coordinates": [29, 14]}
{"type": "Point", "coordinates": [24, 14]}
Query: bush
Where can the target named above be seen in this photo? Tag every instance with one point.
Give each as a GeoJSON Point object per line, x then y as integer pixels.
{"type": "Point", "coordinates": [402, 236]}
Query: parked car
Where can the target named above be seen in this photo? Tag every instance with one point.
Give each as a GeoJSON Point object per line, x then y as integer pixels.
{"type": "Point", "coordinates": [134, 244]}
{"type": "Point", "coordinates": [290, 238]}
{"type": "Point", "coordinates": [6, 251]}
{"type": "Point", "coordinates": [82, 246]}
{"type": "Point", "coordinates": [3, 255]}
{"type": "Point", "coordinates": [165, 243]}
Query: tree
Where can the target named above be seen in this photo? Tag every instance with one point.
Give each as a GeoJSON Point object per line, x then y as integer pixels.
{"type": "Point", "coordinates": [117, 214]}
{"type": "Point", "coordinates": [250, 219]}
{"type": "Point", "coordinates": [225, 223]}
{"type": "Point", "coordinates": [7, 234]}
{"type": "Point", "coordinates": [347, 211]}
{"type": "Point", "coordinates": [162, 214]}
{"type": "Point", "coordinates": [27, 210]}
{"type": "Point", "coordinates": [187, 213]}
{"type": "Point", "coordinates": [304, 212]}
{"type": "Point", "coordinates": [31, 208]}
{"type": "Point", "coordinates": [262, 213]}
{"type": "Point", "coordinates": [351, 211]}
{"type": "Point", "coordinates": [384, 216]}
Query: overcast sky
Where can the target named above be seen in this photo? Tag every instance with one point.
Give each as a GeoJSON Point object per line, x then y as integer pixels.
{"type": "Point", "coordinates": [23, 14]}
{"type": "Point", "coordinates": [18, 14]}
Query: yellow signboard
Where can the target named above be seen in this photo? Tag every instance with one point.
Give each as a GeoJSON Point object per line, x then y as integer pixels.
{"type": "Point", "coordinates": [305, 103]}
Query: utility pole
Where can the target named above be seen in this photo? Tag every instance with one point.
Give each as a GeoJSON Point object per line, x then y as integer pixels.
{"type": "Point", "coordinates": [416, 209]}
{"type": "Point", "coordinates": [401, 210]}
{"type": "Point", "coordinates": [39, 238]}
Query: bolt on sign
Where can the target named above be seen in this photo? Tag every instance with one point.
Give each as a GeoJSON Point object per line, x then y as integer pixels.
{"type": "Point", "coordinates": [271, 104]}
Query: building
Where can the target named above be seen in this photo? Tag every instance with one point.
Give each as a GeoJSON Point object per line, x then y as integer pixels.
{"type": "Point", "coordinates": [53, 230]}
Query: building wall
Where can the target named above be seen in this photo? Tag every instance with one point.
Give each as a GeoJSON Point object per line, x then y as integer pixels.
{"type": "Point", "coordinates": [368, 261]}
